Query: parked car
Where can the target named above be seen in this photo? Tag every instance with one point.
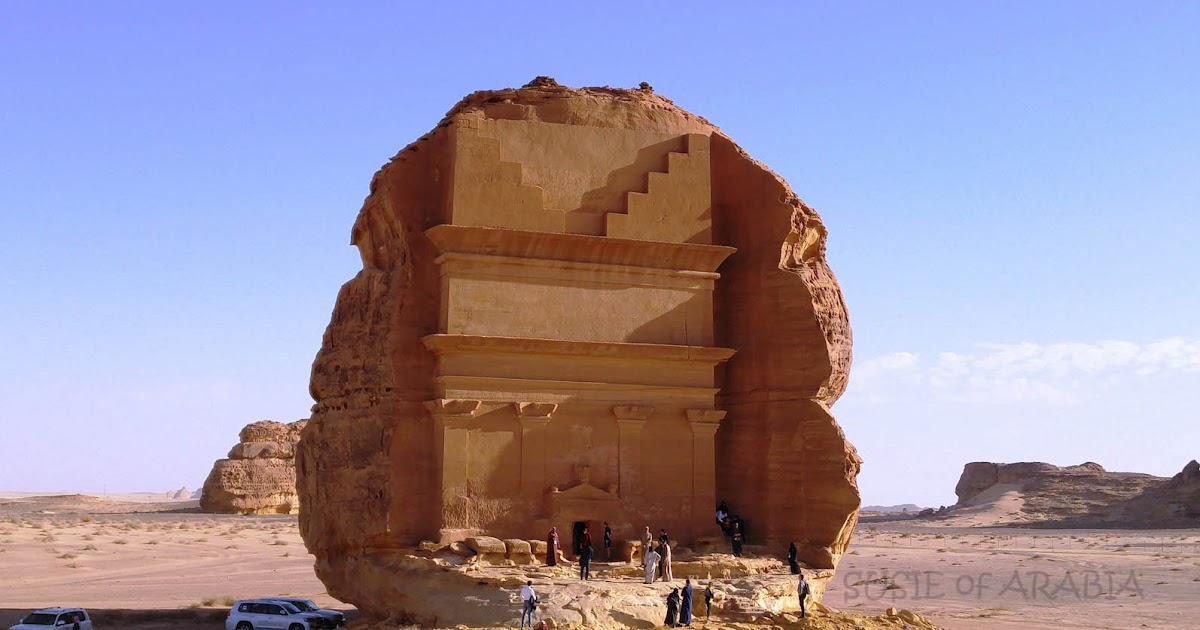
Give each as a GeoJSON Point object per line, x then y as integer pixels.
{"type": "Point", "coordinates": [40, 619]}
{"type": "Point", "coordinates": [269, 614]}
{"type": "Point", "coordinates": [333, 619]}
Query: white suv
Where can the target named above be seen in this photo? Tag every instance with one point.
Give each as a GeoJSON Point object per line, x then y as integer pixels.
{"type": "Point", "coordinates": [64, 618]}
{"type": "Point", "coordinates": [267, 614]}
{"type": "Point", "coordinates": [333, 619]}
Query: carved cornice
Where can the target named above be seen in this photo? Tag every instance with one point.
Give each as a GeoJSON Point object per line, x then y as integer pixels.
{"type": "Point", "coordinates": [535, 409]}
{"type": "Point", "coordinates": [633, 412]}
{"type": "Point", "coordinates": [452, 408]}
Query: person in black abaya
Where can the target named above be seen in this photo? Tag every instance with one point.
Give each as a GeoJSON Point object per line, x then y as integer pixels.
{"type": "Point", "coordinates": [673, 601]}
{"type": "Point", "coordinates": [792, 559]}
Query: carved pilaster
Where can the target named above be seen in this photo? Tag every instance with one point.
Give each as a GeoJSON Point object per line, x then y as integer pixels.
{"type": "Point", "coordinates": [533, 418]}
{"type": "Point", "coordinates": [452, 441]}
{"type": "Point", "coordinates": [705, 423]}
{"type": "Point", "coordinates": [630, 421]}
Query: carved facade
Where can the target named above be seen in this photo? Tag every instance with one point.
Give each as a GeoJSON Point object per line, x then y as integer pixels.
{"type": "Point", "coordinates": [577, 306]}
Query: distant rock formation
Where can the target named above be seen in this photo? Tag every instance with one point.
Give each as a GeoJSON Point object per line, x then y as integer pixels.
{"type": "Point", "coordinates": [259, 476]}
{"type": "Point", "coordinates": [1087, 495]}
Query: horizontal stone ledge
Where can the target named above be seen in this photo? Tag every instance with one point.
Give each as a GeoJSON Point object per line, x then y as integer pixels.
{"type": "Point", "coordinates": [577, 248]}
{"type": "Point", "coordinates": [445, 343]}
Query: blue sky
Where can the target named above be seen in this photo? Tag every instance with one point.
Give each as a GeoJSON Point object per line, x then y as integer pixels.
{"type": "Point", "coordinates": [1010, 187]}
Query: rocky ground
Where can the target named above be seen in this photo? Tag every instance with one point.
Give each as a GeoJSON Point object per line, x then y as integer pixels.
{"type": "Point", "coordinates": [151, 570]}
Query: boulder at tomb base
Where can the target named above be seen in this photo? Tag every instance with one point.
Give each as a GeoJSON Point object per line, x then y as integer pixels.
{"type": "Point", "coordinates": [259, 475]}
{"type": "Point", "coordinates": [554, 280]}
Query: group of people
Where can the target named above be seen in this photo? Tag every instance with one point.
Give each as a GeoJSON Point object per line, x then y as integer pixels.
{"type": "Point", "coordinates": [679, 605]}
{"type": "Point", "coordinates": [657, 562]}
{"type": "Point", "coordinates": [584, 549]}
{"type": "Point", "coordinates": [732, 527]}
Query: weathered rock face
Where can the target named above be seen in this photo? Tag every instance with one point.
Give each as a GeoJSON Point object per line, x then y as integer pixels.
{"type": "Point", "coordinates": [259, 476]}
{"type": "Point", "coordinates": [576, 306]}
{"type": "Point", "coordinates": [1087, 495]}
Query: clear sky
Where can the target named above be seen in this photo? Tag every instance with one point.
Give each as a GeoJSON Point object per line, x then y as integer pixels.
{"type": "Point", "coordinates": [1010, 189]}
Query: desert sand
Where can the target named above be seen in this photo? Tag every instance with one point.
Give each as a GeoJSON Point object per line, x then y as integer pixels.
{"type": "Point", "coordinates": [178, 569]}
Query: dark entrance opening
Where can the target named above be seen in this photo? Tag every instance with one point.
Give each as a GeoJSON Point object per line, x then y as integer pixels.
{"type": "Point", "coordinates": [577, 536]}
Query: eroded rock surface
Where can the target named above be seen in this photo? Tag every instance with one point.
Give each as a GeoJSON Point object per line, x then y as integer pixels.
{"type": "Point", "coordinates": [576, 306]}
{"type": "Point", "coordinates": [259, 475]}
{"type": "Point", "coordinates": [1086, 495]}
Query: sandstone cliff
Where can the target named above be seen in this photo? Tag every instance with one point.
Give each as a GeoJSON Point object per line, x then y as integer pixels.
{"type": "Point", "coordinates": [259, 475]}
{"type": "Point", "coordinates": [1087, 495]}
{"type": "Point", "coordinates": [367, 479]}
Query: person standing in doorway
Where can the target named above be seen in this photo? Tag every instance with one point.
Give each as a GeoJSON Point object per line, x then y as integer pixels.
{"type": "Point", "coordinates": [736, 539]}
{"type": "Point", "coordinates": [791, 558]}
{"type": "Point", "coordinates": [528, 603]}
{"type": "Point", "coordinates": [585, 555]}
{"type": "Point", "coordinates": [552, 547]}
{"type": "Point", "coordinates": [607, 542]}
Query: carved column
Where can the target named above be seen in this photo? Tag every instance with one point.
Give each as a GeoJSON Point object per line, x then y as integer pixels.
{"type": "Point", "coordinates": [533, 417]}
{"type": "Point", "coordinates": [451, 435]}
{"type": "Point", "coordinates": [630, 420]}
{"type": "Point", "coordinates": [705, 423]}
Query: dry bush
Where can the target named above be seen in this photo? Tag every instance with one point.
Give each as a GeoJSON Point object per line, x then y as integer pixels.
{"type": "Point", "coordinates": [121, 541]}
{"type": "Point", "coordinates": [67, 556]}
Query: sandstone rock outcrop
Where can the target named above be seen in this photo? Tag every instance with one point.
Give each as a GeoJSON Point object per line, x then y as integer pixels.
{"type": "Point", "coordinates": [1086, 495]}
{"type": "Point", "coordinates": [259, 475]}
{"type": "Point", "coordinates": [576, 306]}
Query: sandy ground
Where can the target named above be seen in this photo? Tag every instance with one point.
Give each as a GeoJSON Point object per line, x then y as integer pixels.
{"type": "Point", "coordinates": [973, 578]}
{"type": "Point", "coordinates": [178, 570]}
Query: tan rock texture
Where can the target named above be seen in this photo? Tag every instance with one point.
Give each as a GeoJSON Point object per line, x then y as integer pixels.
{"type": "Point", "coordinates": [259, 475]}
{"type": "Point", "coordinates": [576, 306]}
{"type": "Point", "coordinates": [1087, 495]}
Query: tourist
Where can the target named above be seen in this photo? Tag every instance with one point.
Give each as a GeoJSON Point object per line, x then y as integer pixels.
{"type": "Point", "coordinates": [737, 520]}
{"type": "Point", "coordinates": [607, 542]}
{"type": "Point", "coordinates": [528, 602]}
{"type": "Point", "coordinates": [727, 526]}
{"type": "Point", "coordinates": [672, 609]}
{"type": "Point", "coordinates": [652, 559]}
{"type": "Point", "coordinates": [708, 600]}
{"type": "Point", "coordinates": [722, 514]}
{"type": "Point", "coordinates": [664, 550]}
{"type": "Point", "coordinates": [685, 606]}
{"type": "Point", "coordinates": [585, 555]}
{"type": "Point", "coordinates": [736, 539]}
{"type": "Point", "coordinates": [795, 568]}
{"type": "Point", "coordinates": [552, 547]}
{"type": "Point", "coordinates": [802, 594]}
{"type": "Point", "coordinates": [662, 540]}
{"type": "Point", "coordinates": [647, 541]}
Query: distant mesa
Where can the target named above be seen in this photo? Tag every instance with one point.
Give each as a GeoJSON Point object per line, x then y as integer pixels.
{"type": "Point", "coordinates": [910, 508]}
{"type": "Point", "coordinates": [259, 475]}
{"type": "Point", "coordinates": [1085, 495]}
